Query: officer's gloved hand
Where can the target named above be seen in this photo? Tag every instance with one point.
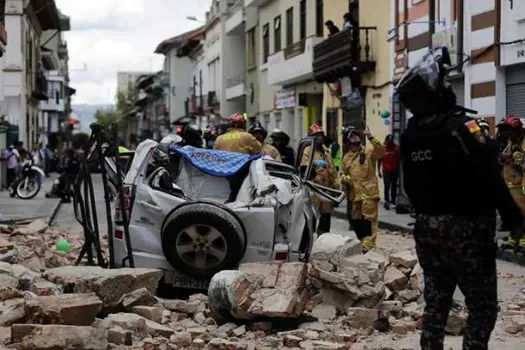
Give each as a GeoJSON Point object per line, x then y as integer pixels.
{"type": "Point", "coordinates": [321, 163]}
{"type": "Point", "coordinates": [518, 158]}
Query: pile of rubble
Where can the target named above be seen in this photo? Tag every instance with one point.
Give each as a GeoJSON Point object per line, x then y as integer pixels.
{"type": "Point", "coordinates": [340, 298]}
{"type": "Point", "coordinates": [33, 245]}
{"type": "Point", "coordinates": [340, 287]}
{"type": "Point", "coordinates": [514, 315]}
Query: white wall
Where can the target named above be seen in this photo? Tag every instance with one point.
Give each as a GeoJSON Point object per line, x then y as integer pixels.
{"type": "Point", "coordinates": [179, 69]}
{"type": "Point", "coordinates": [512, 28]}
{"type": "Point", "coordinates": [212, 58]}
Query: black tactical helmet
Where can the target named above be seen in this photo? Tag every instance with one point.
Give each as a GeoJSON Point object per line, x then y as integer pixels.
{"type": "Point", "coordinates": [258, 127]}
{"type": "Point", "coordinates": [192, 135]}
{"type": "Point", "coordinates": [347, 130]}
{"type": "Point", "coordinates": [423, 89]}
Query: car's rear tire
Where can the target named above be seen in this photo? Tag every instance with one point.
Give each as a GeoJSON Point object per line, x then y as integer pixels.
{"type": "Point", "coordinates": [200, 239]}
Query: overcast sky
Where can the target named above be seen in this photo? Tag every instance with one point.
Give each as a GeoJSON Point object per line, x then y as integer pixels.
{"type": "Point", "coordinates": [120, 35]}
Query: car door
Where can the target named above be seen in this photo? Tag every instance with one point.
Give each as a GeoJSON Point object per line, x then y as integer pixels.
{"type": "Point", "coordinates": [307, 173]}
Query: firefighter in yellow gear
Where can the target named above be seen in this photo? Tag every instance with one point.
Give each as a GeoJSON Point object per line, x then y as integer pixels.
{"type": "Point", "coordinates": [260, 133]}
{"type": "Point", "coordinates": [324, 174]}
{"type": "Point", "coordinates": [359, 177]}
{"type": "Point", "coordinates": [512, 159]}
{"type": "Point", "coordinates": [236, 139]}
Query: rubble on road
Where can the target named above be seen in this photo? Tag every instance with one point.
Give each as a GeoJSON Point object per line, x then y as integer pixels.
{"type": "Point", "coordinates": [341, 297]}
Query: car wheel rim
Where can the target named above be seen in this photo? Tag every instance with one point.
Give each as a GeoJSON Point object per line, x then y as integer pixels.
{"type": "Point", "coordinates": [201, 246]}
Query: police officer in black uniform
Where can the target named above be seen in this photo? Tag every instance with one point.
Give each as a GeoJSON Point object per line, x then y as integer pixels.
{"type": "Point", "coordinates": [455, 188]}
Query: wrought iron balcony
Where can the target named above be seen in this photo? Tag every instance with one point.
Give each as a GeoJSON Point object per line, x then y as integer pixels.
{"type": "Point", "coordinates": [344, 53]}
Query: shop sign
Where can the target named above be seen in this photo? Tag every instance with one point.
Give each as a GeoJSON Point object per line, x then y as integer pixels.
{"type": "Point", "coordinates": [284, 99]}
{"type": "Point", "coordinates": [448, 39]}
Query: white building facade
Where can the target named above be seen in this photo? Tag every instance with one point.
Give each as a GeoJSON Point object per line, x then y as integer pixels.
{"type": "Point", "coordinates": [289, 98]}
{"type": "Point", "coordinates": [24, 82]}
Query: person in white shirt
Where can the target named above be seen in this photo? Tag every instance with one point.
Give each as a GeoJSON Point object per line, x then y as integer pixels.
{"type": "Point", "coordinates": [348, 20]}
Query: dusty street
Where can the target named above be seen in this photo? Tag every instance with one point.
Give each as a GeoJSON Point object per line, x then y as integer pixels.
{"type": "Point", "coordinates": [511, 280]}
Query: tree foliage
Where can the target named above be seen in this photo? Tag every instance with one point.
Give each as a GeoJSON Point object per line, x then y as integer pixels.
{"type": "Point", "coordinates": [125, 103]}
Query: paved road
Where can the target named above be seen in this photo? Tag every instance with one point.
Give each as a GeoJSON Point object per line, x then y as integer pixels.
{"type": "Point", "coordinates": [17, 209]}
{"type": "Point", "coordinates": [66, 216]}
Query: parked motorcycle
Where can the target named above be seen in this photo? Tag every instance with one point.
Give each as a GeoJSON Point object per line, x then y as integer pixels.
{"type": "Point", "coordinates": [28, 181]}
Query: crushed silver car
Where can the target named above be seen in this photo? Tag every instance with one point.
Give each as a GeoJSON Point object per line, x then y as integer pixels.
{"type": "Point", "coordinates": [180, 219]}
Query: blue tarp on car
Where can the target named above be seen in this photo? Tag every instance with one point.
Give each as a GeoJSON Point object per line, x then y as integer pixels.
{"type": "Point", "coordinates": [215, 163]}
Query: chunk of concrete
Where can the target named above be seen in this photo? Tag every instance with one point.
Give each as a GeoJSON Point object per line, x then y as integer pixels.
{"type": "Point", "coordinates": [241, 295]}
{"type": "Point", "coordinates": [332, 248]}
{"type": "Point", "coordinates": [68, 309]}
{"type": "Point", "coordinates": [404, 258]}
{"type": "Point", "coordinates": [361, 317]}
{"type": "Point", "coordinates": [141, 296]}
{"type": "Point", "coordinates": [12, 311]}
{"type": "Point", "coordinates": [395, 280]}
{"type": "Point", "coordinates": [152, 313]}
{"type": "Point", "coordinates": [64, 337]}
{"type": "Point", "coordinates": [109, 285]}
{"type": "Point", "coordinates": [134, 321]}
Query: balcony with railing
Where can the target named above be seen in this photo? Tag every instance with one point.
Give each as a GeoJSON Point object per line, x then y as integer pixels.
{"type": "Point", "coordinates": [62, 50]}
{"type": "Point", "coordinates": [235, 87]}
{"type": "Point", "coordinates": [344, 53]}
{"type": "Point", "coordinates": [39, 91]}
{"type": "Point", "coordinates": [294, 63]}
{"type": "Point", "coordinates": [235, 23]}
{"type": "Point", "coordinates": [55, 101]}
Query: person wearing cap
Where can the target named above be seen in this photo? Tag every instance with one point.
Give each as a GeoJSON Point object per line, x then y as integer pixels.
{"type": "Point", "coordinates": [359, 175]}
{"type": "Point", "coordinates": [513, 162]}
{"type": "Point", "coordinates": [324, 174]}
{"type": "Point", "coordinates": [235, 139]}
{"type": "Point", "coordinates": [281, 142]}
{"type": "Point", "coordinates": [259, 132]}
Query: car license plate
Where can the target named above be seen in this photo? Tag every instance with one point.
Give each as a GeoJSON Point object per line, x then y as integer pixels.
{"type": "Point", "coordinates": [181, 281]}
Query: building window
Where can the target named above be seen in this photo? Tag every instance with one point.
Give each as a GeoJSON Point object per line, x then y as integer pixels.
{"type": "Point", "coordinates": [289, 26]}
{"type": "Point", "coordinates": [277, 34]}
{"type": "Point", "coordinates": [302, 19]}
{"type": "Point", "coordinates": [319, 23]}
{"type": "Point", "coordinates": [278, 120]}
{"type": "Point", "coordinates": [266, 42]}
{"type": "Point", "coordinates": [251, 49]}
{"type": "Point", "coordinates": [266, 121]}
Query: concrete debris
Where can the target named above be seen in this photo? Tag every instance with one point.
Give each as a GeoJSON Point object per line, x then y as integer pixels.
{"type": "Point", "coordinates": [67, 309]}
{"type": "Point", "coordinates": [336, 301]}
{"type": "Point", "coordinates": [253, 292]}
{"type": "Point", "coordinates": [109, 285]}
{"type": "Point", "coordinates": [50, 337]}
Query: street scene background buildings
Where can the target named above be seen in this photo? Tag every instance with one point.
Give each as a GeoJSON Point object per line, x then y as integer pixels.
{"type": "Point", "coordinates": [35, 91]}
{"type": "Point", "coordinates": [274, 61]}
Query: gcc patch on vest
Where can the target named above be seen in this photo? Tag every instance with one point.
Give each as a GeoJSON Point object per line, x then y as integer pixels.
{"type": "Point", "coordinates": [422, 156]}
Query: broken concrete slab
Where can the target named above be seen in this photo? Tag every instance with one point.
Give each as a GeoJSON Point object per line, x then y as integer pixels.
{"type": "Point", "coordinates": [51, 337]}
{"type": "Point", "coordinates": [404, 258]}
{"type": "Point", "coordinates": [141, 296]}
{"type": "Point", "coordinates": [152, 313]}
{"type": "Point", "coordinates": [417, 279]}
{"type": "Point", "coordinates": [68, 309]}
{"type": "Point", "coordinates": [361, 317]}
{"type": "Point", "coordinates": [138, 324]}
{"type": "Point", "coordinates": [36, 226]}
{"type": "Point", "coordinates": [241, 295]}
{"type": "Point", "coordinates": [395, 280]}
{"type": "Point", "coordinates": [331, 248]}
{"type": "Point", "coordinates": [12, 311]}
{"type": "Point", "coordinates": [109, 285]}
{"type": "Point", "coordinates": [8, 287]}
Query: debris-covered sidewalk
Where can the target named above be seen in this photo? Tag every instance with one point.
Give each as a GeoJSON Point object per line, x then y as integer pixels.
{"type": "Point", "coordinates": [343, 299]}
